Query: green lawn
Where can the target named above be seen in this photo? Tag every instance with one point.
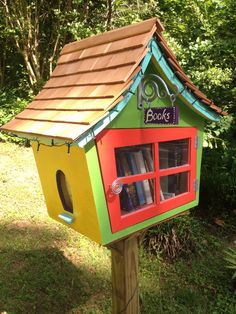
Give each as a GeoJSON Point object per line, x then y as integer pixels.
{"type": "Point", "coordinates": [47, 268]}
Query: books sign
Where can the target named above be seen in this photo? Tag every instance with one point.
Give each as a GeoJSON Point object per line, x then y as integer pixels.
{"type": "Point", "coordinates": [162, 115]}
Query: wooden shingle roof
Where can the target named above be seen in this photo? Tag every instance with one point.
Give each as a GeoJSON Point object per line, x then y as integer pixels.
{"type": "Point", "coordinates": [90, 77]}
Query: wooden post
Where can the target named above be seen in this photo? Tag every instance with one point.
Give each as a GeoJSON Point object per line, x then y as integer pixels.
{"type": "Point", "coordinates": [125, 290]}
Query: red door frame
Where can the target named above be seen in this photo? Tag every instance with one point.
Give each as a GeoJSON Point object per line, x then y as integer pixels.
{"type": "Point", "coordinates": [108, 140]}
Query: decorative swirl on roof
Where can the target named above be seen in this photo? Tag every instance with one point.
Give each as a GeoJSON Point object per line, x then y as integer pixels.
{"type": "Point", "coordinates": [152, 86]}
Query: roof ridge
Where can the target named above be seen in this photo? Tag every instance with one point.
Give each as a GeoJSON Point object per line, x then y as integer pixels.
{"type": "Point", "coordinates": [113, 35]}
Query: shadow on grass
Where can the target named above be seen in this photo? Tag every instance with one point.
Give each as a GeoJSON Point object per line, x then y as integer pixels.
{"type": "Point", "coordinates": [41, 279]}
{"type": "Point", "coordinates": [195, 285]}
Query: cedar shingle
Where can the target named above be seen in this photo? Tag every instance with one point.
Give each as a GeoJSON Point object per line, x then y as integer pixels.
{"type": "Point", "coordinates": [116, 75]}
{"type": "Point", "coordinates": [126, 57]}
{"type": "Point", "coordinates": [70, 104]}
{"type": "Point", "coordinates": [114, 35]}
{"type": "Point", "coordinates": [66, 131]}
{"type": "Point", "coordinates": [84, 117]}
{"type": "Point", "coordinates": [111, 48]}
{"type": "Point", "coordinates": [91, 91]}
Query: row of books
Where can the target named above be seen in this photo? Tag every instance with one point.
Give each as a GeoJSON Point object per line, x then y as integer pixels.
{"type": "Point", "coordinates": [173, 154]}
{"type": "Point", "coordinates": [131, 161]}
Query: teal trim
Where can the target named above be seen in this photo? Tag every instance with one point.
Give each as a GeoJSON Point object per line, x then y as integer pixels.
{"type": "Point", "coordinates": [114, 112]}
{"type": "Point", "coordinates": [66, 218]}
{"type": "Point", "coordinates": [193, 101]}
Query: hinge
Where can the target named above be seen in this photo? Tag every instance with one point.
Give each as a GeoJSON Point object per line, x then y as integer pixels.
{"type": "Point", "coordinates": [196, 142]}
{"type": "Point", "coordinates": [195, 185]}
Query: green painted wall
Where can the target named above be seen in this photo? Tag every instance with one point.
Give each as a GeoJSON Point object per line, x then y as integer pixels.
{"type": "Point", "coordinates": [131, 117]}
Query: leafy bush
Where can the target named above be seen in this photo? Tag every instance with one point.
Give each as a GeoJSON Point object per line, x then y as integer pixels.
{"type": "Point", "coordinates": [218, 180]}
{"type": "Point", "coordinates": [231, 259]}
{"type": "Point", "coordinates": [10, 105]}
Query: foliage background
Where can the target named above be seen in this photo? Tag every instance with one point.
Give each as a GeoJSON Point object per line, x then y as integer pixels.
{"type": "Point", "coordinates": [202, 33]}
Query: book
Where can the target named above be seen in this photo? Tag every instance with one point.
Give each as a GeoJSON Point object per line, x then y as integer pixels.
{"type": "Point", "coordinates": [139, 185]}
{"type": "Point", "coordinates": [126, 171]}
{"type": "Point", "coordinates": [138, 156]}
{"type": "Point", "coordinates": [149, 164]}
{"type": "Point", "coordinates": [168, 195]}
{"type": "Point", "coordinates": [125, 199]}
{"type": "Point", "coordinates": [163, 157]}
{"type": "Point", "coordinates": [147, 154]}
{"type": "Point", "coordinates": [162, 195]}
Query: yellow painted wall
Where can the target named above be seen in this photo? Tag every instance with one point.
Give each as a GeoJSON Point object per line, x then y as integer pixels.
{"type": "Point", "coordinates": [74, 165]}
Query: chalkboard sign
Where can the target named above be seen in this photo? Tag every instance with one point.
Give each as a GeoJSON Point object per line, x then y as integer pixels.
{"type": "Point", "coordinates": [163, 115]}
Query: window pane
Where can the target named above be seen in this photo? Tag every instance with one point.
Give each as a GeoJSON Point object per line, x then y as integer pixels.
{"type": "Point", "coordinates": [132, 160]}
{"type": "Point", "coordinates": [173, 153]}
{"type": "Point", "coordinates": [173, 185]}
{"type": "Point", "coordinates": [136, 195]}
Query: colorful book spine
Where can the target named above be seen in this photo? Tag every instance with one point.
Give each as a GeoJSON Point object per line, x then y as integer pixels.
{"type": "Point", "coordinates": [149, 164]}
{"type": "Point", "coordinates": [127, 172]}
{"type": "Point", "coordinates": [139, 185]}
{"type": "Point", "coordinates": [138, 156]}
{"type": "Point", "coordinates": [147, 154]}
{"type": "Point", "coordinates": [125, 199]}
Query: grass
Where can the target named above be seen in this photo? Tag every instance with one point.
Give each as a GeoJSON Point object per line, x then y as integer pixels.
{"type": "Point", "coordinates": [48, 268]}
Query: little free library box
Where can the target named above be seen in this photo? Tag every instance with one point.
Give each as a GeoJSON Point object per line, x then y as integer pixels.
{"type": "Point", "coordinates": [117, 133]}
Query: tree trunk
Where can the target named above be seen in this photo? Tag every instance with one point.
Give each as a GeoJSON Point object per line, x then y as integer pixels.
{"type": "Point", "coordinates": [19, 18]}
{"type": "Point", "coordinates": [31, 74]}
{"type": "Point", "coordinates": [2, 68]}
{"type": "Point", "coordinates": [109, 14]}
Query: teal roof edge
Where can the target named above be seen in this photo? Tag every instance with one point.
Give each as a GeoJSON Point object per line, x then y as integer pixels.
{"type": "Point", "coordinates": [192, 100]}
{"type": "Point", "coordinates": [154, 51]}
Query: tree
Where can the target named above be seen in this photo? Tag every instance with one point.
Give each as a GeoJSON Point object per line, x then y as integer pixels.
{"type": "Point", "coordinates": [38, 29]}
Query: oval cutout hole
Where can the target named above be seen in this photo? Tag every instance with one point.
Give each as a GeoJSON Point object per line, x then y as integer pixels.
{"type": "Point", "coordinates": [64, 191]}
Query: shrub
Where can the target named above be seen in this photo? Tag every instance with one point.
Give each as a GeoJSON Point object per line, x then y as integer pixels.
{"type": "Point", "coordinates": [178, 237]}
{"type": "Point", "coordinates": [231, 259]}
{"type": "Point", "coordinates": [10, 105]}
{"type": "Point", "coordinates": [218, 182]}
